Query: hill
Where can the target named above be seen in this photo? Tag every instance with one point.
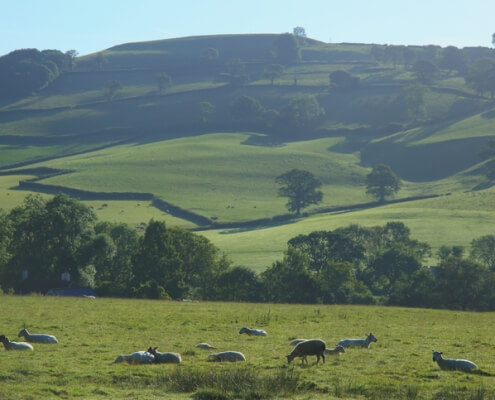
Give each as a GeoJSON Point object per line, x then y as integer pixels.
{"type": "Point", "coordinates": [145, 149]}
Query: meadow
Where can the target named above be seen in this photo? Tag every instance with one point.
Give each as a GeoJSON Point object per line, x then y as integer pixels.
{"type": "Point", "coordinates": [92, 333]}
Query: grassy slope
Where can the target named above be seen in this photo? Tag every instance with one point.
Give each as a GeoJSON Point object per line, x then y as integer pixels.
{"type": "Point", "coordinates": [215, 175]}
{"type": "Point", "coordinates": [93, 332]}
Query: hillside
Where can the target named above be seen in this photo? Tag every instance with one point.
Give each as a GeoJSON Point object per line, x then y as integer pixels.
{"type": "Point", "coordinates": [146, 150]}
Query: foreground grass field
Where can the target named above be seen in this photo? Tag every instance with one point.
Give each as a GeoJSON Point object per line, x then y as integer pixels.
{"type": "Point", "coordinates": [93, 332]}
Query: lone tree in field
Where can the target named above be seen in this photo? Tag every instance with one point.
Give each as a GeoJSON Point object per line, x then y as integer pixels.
{"type": "Point", "coordinates": [382, 182]}
{"type": "Point", "coordinates": [300, 187]}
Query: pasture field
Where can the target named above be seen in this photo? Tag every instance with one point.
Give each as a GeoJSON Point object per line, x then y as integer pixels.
{"type": "Point", "coordinates": [453, 220]}
{"type": "Point", "coordinates": [92, 333]}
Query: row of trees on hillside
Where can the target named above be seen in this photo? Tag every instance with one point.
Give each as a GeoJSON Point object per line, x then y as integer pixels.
{"type": "Point", "coordinates": [351, 265]}
{"type": "Point", "coordinates": [302, 188]}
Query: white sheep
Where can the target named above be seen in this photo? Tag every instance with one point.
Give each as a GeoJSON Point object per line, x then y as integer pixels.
{"type": "Point", "coordinates": [311, 347]}
{"type": "Point", "coordinates": [14, 345]}
{"type": "Point", "coordinates": [231, 356]}
{"type": "Point", "coordinates": [205, 346]}
{"type": "Point", "coordinates": [336, 351]}
{"type": "Point", "coordinates": [165, 358]}
{"type": "Point", "coordinates": [358, 342]}
{"type": "Point", "coordinates": [37, 337]}
{"type": "Point", "coordinates": [252, 332]}
{"type": "Point", "coordinates": [138, 357]}
{"type": "Point", "coordinates": [451, 364]}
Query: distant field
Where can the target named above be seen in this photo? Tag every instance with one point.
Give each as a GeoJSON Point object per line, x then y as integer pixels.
{"type": "Point", "coordinates": [449, 220]}
{"type": "Point", "coordinates": [92, 333]}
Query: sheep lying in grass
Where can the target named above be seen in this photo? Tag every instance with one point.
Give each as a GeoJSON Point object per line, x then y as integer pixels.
{"type": "Point", "coordinates": [231, 356]}
{"type": "Point", "coordinates": [37, 337]}
{"type": "Point", "coordinates": [14, 345]}
{"type": "Point", "coordinates": [336, 351]}
{"type": "Point", "coordinates": [252, 332]}
{"type": "Point", "coordinates": [165, 358]}
{"type": "Point", "coordinates": [312, 347]}
{"type": "Point", "coordinates": [205, 346]}
{"type": "Point", "coordinates": [138, 357]}
{"type": "Point", "coordinates": [358, 342]}
{"type": "Point", "coordinates": [451, 364]}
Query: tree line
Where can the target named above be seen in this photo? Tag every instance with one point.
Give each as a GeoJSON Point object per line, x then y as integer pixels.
{"type": "Point", "coordinates": [349, 265]}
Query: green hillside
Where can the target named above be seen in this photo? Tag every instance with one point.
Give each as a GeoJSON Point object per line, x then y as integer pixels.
{"type": "Point", "coordinates": [158, 157]}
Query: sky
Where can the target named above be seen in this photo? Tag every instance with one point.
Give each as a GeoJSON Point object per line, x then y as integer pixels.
{"type": "Point", "coordinates": [89, 26]}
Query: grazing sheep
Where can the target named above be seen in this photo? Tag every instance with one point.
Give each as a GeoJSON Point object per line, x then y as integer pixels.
{"type": "Point", "coordinates": [231, 356]}
{"type": "Point", "coordinates": [451, 364]}
{"type": "Point", "coordinates": [14, 345]}
{"type": "Point", "coordinates": [252, 332]}
{"type": "Point", "coordinates": [165, 358]}
{"type": "Point", "coordinates": [312, 347]}
{"type": "Point", "coordinates": [332, 352]}
{"type": "Point", "coordinates": [296, 342]}
{"type": "Point", "coordinates": [205, 346]}
{"type": "Point", "coordinates": [358, 342]}
{"type": "Point", "coordinates": [37, 337]}
{"type": "Point", "coordinates": [138, 357]}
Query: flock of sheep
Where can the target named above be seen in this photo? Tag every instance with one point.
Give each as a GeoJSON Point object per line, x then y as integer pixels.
{"type": "Point", "coordinates": [302, 348]}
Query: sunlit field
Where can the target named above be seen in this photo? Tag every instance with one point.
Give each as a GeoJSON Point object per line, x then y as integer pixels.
{"type": "Point", "coordinates": [92, 333]}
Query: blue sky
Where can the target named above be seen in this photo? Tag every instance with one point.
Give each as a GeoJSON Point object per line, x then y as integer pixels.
{"type": "Point", "coordinates": [92, 25]}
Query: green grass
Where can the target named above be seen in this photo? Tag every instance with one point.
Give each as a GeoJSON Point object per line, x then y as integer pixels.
{"type": "Point", "coordinates": [93, 332]}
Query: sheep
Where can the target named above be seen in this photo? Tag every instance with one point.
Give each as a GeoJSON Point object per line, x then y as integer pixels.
{"type": "Point", "coordinates": [165, 358]}
{"type": "Point", "coordinates": [296, 342]}
{"type": "Point", "coordinates": [37, 337]}
{"type": "Point", "coordinates": [358, 342]}
{"type": "Point", "coordinates": [336, 351]}
{"type": "Point", "coordinates": [312, 347]}
{"type": "Point", "coordinates": [451, 364]}
{"type": "Point", "coordinates": [252, 332]}
{"type": "Point", "coordinates": [14, 345]}
{"type": "Point", "coordinates": [138, 357]}
{"type": "Point", "coordinates": [231, 356]}
{"type": "Point", "coordinates": [205, 346]}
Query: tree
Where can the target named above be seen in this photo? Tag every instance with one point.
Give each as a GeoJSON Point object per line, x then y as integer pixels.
{"type": "Point", "coordinates": [273, 71]}
{"type": "Point", "coordinates": [453, 59]}
{"type": "Point", "coordinates": [286, 49]}
{"type": "Point", "coordinates": [299, 112]}
{"type": "Point", "coordinates": [240, 284]}
{"type": "Point", "coordinates": [48, 238]}
{"type": "Point", "coordinates": [100, 60]}
{"type": "Point", "coordinates": [483, 251]}
{"type": "Point", "coordinates": [425, 71]}
{"type": "Point", "coordinates": [299, 31]}
{"type": "Point", "coordinates": [157, 261]}
{"type": "Point", "coordinates": [415, 100]}
{"type": "Point", "coordinates": [481, 76]}
{"type": "Point", "coordinates": [163, 82]}
{"type": "Point", "coordinates": [382, 182]}
{"type": "Point", "coordinates": [111, 88]}
{"type": "Point", "coordinates": [72, 54]}
{"type": "Point", "coordinates": [300, 187]}
{"type": "Point", "coordinates": [205, 108]}
{"type": "Point", "coordinates": [246, 108]}
{"type": "Point", "coordinates": [493, 39]}
{"type": "Point", "coordinates": [210, 54]}
{"type": "Point", "coordinates": [343, 79]}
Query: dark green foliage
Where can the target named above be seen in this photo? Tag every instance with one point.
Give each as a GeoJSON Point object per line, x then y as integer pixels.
{"type": "Point", "coordinates": [163, 82]}
{"type": "Point", "coordinates": [299, 113]}
{"type": "Point", "coordinates": [454, 59]}
{"type": "Point", "coordinates": [240, 284]}
{"type": "Point", "coordinates": [300, 187]}
{"type": "Point", "coordinates": [415, 100]}
{"type": "Point", "coordinates": [425, 71]}
{"type": "Point", "coordinates": [286, 49]}
{"type": "Point", "coordinates": [481, 76]}
{"type": "Point", "coordinates": [483, 251]}
{"type": "Point", "coordinates": [273, 71]}
{"type": "Point", "coordinates": [25, 71]}
{"type": "Point", "coordinates": [382, 182]}
{"type": "Point", "coordinates": [111, 88]}
{"type": "Point", "coordinates": [343, 80]}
